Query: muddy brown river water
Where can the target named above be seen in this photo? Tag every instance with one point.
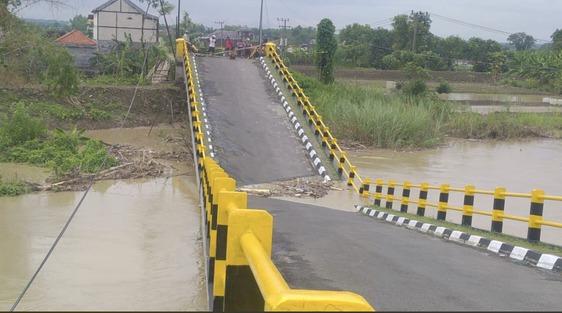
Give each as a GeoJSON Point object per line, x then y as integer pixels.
{"type": "Point", "coordinates": [134, 245]}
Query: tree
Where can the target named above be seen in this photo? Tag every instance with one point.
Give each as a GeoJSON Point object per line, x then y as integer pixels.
{"type": "Point", "coordinates": [355, 40]}
{"type": "Point", "coordinates": [450, 49]}
{"type": "Point", "coordinates": [557, 40]}
{"type": "Point", "coordinates": [381, 45]}
{"type": "Point", "coordinates": [419, 25]}
{"type": "Point", "coordinates": [521, 41]}
{"type": "Point", "coordinates": [479, 50]}
{"type": "Point", "coordinates": [80, 23]}
{"type": "Point", "coordinates": [326, 48]}
{"type": "Point", "coordinates": [401, 32]}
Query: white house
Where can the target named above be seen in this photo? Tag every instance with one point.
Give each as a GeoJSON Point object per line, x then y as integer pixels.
{"type": "Point", "coordinates": [115, 18]}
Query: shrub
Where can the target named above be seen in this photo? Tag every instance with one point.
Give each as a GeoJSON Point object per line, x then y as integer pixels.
{"type": "Point", "coordinates": [21, 127]}
{"type": "Point", "coordinates": [415, 87]}
{"type": "Point", "coordinates": [443, 87]}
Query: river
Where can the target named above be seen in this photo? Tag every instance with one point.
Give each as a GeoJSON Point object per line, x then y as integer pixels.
{"type": "Point", "coordinates": [518, 166]}
{"type": "Point", "coordinates": [134, 245]}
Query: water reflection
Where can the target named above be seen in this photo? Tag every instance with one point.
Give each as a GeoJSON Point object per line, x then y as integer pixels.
{"type": "Point", "coordinates": [134, 245]}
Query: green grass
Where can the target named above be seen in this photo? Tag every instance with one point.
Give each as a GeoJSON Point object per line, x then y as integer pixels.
{"type": "Point", "coordinates": [516, 241]}
{"type": "Point", "coordinates": [113, 80]}
{"type": "Point", "coordinates": [11, 189]}
{"type": "Point", "coordinates": [25, 139]}
{"type": "Point", "coordinates": [502, 125]}
{"type": "Point", "coordinates": [365, 114]}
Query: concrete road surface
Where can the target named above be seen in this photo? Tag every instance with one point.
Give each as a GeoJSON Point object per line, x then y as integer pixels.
{"type": "Point", "coordinates": [250, 131]}
{"type": "Point", "coordinates": [398, 269]}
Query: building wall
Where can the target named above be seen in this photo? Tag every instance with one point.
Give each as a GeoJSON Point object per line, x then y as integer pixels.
{"type": "Point", "coordinates": [119, 19]}
{"type": "Point", "coordinates": [82, 56]}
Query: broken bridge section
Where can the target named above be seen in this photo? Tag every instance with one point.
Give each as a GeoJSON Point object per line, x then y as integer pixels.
{"type": "Point", "coordinates": [251, 135]}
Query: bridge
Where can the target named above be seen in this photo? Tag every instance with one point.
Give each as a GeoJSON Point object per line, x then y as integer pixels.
{"type": "Point", "coordinates": [252, 124]}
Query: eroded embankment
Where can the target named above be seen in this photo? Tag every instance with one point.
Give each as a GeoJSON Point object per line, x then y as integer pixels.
{"type": "Point", "coordinates": [72, 135]}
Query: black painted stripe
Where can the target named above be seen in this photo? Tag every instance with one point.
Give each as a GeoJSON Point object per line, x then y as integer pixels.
{"type": "Point", "coordinates": [432, 228]}
{"type": "Point", "coordinates": [384, 216]}
{"type": "Point", "coordinates": [222, 231]}
{"type": "Point", "coordinates": [464, 236]}
{"type": "Point", "coordinates": [444, 197]}
{"type": "Point", "coordinates": [395, 218]}
{"type": "Point", "coordinates": [419, 224]}
{"type": "Point", "coordinates": [532, 257]}
{"type": "Point", "coordinates": [214, 209]}
{"type": "Point", "coordinates": [423, 194]}
{"type": "Point", "coordinates": [499, 204]}
{"type": "Point", "coordinates": [536, 208]}
{"type": "Point", "coordinates": [506, 248]}
{"type": "Point", "coordinates": [242, 293]}
{"type": "Point", "coordinates": [469, 200]}
{"type": "Point", "coordinates": [447, 232]}
{"type": "Point", "coordinates": [484, 242]}
{"type": "Point", "coordinates": [558, 265]}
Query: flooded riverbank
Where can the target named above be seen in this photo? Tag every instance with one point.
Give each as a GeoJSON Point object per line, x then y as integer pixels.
{"type": "Point", "coordinates": [134, 245]}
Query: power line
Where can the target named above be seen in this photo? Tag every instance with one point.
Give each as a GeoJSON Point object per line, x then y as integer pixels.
{"type": "Point", "coordinates": [90, 184]}
{"type": "Point", "coordinates": [468, 24]}
{"type": "Point", "coordinates": [221, 23]}
{"type": "Point", "coordinates": [284, 28]}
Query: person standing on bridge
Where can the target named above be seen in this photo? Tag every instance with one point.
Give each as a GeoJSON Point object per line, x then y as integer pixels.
{"type": "Point", "coordinates": [228, 45]}
{"type": "Point", "coordinates": [212, 43]}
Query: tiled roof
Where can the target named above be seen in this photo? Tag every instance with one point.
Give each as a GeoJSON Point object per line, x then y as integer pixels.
{"type": "Point", "coordinates": [75, 37]}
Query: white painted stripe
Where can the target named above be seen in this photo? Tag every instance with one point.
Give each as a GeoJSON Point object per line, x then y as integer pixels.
{"type": "Point", "coordinates": [206, 121]}
{"type": "Point", "coordinates": [439, 231]}
{"type": "Point", "coordinates": [400, 220]}
{"type": "Point", "coordinates": [380, 215]}
{"type": "Point", "coordinates": [304, 138]}
{"type": "Point", "coordinates": [212, 155]}
{"type": "Point", "coordinates": [291, 114]}
{"type": "Point", "coordinates": [287, 109]}
{"type": "Point", "coordinates": [456, 236]}
{"type": "Point", "coordinates": [389, 217]}
{"type": "Point", "coordinates": [372, 213]}
{"type": "Point", "coordinates": [412, 224]}
{"type": "Point", "coordinates": [210, 147]}
{"type": "Point", "coordinates": [308, 145]}
{"type": "Point", "coordinates": [279, 92]}
{"type": "Point", "coordinates": [473, 240]}
{"type": "Point", "coordinates": [327, 178]}
{"type": "Point", "coordinates": [285, 102]}
{"type": "Point", "coordinates": [209, 139]}
{"type": "Point", "coordinates": [312, 153]}
{"type": "Point", "coordinates": [321, 170]}
{"type": "Point", "coordinates": [316, 161]}
{"type": "Point", "coordinates": [293, 120]}
{"type": "Point", "coordinates": [300, 132]}
{"type": "Point", "coordinates": [425, 227]}
{"type": "Point", "coordinates": [495, 246]}
{"type": "Point", "coordinates": [547, 261]}
{"type": "Point", "coordinates": [518, 253]}
{"type": "Point", "coordinates": [297, 125]}
{"type": "Point", "coordinates": [209, 133]}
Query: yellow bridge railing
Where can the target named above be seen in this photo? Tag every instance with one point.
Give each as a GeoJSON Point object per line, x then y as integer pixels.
{"type": "Point", "coordinates": [362, 186]}
{"type": "Point", "coordinates": [240, 271]}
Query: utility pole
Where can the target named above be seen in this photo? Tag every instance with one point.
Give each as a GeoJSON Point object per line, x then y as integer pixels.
{"type": "Point", "coordinates": [221, 23]}
{"type": "Point", "coordinates": [284, 27]}
{"type": "Point", "coordinates": [415, 21]}
{"type": "Point", "coordinates": [261, 18]}
{"type": "Point", "coordinates": [178, 22]}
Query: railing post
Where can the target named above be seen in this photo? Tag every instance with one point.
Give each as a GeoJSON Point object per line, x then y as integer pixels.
{"type": "Point", "coordinates": [390, 194]}
{"type": "Point", "coordinates": [468, 205]}
{"type": "Point", "coordinates": [364, 189]}
{"type": "Point", "coordinates": [378, 191]}
{"type": "Point", "coordinates": [242, 293]}
{"type": "Point", "coordinates": [333, 146]}
{"type": "Point", "coordinates": [180, 47]}
{"type": "Point", "coordinates": [341, 163]}
{"type": "Point", "coordinates": [351, 176]}
{"type": "Point", "coordinates": [227, 200]}
{"type": "Point", "coordinates": [443, 201]}
{"type": "Point", "coordinates": [423, 199]}
{"type": "Point", "coordinates": [405, 196]}
{"type": "Point", "coordinates": [498, 209]}
{"type": "Point", "coordinates": [535, 216]}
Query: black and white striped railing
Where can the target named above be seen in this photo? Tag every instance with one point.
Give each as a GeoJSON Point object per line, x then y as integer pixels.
{"type": "Point", "coordinates": [312, 154]}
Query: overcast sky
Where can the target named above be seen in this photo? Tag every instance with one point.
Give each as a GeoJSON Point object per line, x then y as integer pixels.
{"type": "Point", "coordinates": [536, 17]}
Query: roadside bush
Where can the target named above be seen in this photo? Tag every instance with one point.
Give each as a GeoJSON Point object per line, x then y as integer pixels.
{"type": "Point", "coordinates": [415, 87]}
{"type": "Point", "coordinates": [11, 189]}
{"type": "Point", "coordinates": [443, 87]}
{"type": "Point", "coordinates": [21, 127]}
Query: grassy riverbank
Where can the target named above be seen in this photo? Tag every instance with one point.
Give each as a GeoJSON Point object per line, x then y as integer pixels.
{"type": "Point", "coordinates": [366, 115]}
{"type": "Point", "coordinates": [25, 139]}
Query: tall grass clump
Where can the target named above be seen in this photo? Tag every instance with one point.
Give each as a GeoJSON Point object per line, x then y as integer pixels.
{"type": "Point", "coordinates": [370, 117]}
{"type": "Point", "coordinates": [503, 125]}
